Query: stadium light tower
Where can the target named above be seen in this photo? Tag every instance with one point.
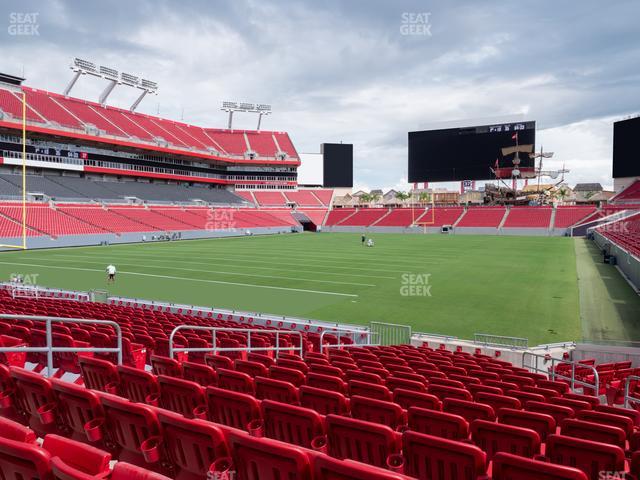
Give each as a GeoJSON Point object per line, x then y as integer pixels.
{"type": "Point", "coordinates": [113, 77]}
{"type": "Point", "coordinates": [232, 107]}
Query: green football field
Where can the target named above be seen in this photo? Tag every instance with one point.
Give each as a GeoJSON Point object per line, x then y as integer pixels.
{"type": "Point", "coordinates": [455, 285]}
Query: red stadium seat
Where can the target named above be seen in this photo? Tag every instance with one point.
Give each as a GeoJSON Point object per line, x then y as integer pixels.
{"type": "Point", "coordinates": [277, 390]}
{"type": "Point", "coordinates": [364, 389]}
{"type": "Point", "coordinates": [394, 382]}
{"type": "Point", "coordinates": [558, 412]}
{"type": "Point", "coordinates": [75, 407]}
{"type": "Point", "coordinates": [326, 382]}
{"type": "Point", "coordinates": [203, 375]}
{"type": "Point", "coordinates": [180, 396]}
{"type": "Point", "coordinates": [409, 398]}
{"type": "Point", "coordinates": [253, 369]}
{"type": "Point", "coordinates": [34, 401]}
{"type": "Point", "coordinates": [191, 446]}
{"type": "Point", "coordinates": [361, 441]}
{"type": "Point", "coordinates": [623, 422]}
{"type": "Point", "coordinates": [498, 401]}
{"type": "Point", "coordinates": [439, 424]}
{"type": "Point", "coordinates": [11, 430]}
{"type": "Point", "coordinates": [442, 392]}
{"type": "Point", "coordinates": [296, 377]}
{"type": "Point", "coordinates": [470, 411]}
{"type": "Point", "coordinates": [132, 427]}
{"type": "Point", "coordinates": [99, 374]}
{"type": "Point", "coordinates": [377, 411]}
{"type": "Point", "coordinates": [291, 424]}
{"type": "Point", "coordinates": [429, 457]}
{"type": "Point", "coordinates": [327, 468]}
{"type": "Point", "coordinates": [126, 471]}
{"type": "Point", "coordinates": [514, 467]}
{"type": "Point", "coordinates": [593, 431]}
{"type": "Point", "coordinates": [586, 455]}
{"type": "Point", "coordinates": [137, 385]}
{"type": "Point", "coordinates": [266, 459]}
{"type": "Point", "coordinates": [235, 381]}
{"type": "Point", "coordinates": [322, 401]}
{"type": "Point", "coordinates": [540, 423]}
{"type": "Point", "coordinates": [166, 366]}
{"type": "Point", "coordinates": [230, 408]}
{"type": "Point", "coordinates": [495, 437]}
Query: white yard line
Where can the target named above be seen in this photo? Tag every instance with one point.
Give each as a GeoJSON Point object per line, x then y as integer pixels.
{"type": "Point", "coordinates": [319, 292]}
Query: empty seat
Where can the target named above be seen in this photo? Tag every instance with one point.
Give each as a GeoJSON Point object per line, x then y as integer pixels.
{"type": "Point", "coordinates": [15, 431]}
{"type": "Point", "coordinates": [230, 408]}
{"type": "Point", "coordinates": [126, 471]}
{"type": "Point", "coordinates": [439, 424]}
{"type": "Point", "coordinates": [99, 374]}
{"type": "Point", "coordinates": [470, 411]}
{"type": "Point", "coordinates": [322, 401]}
{"type": "Point", "coordinates": [253, 369]}
{"type": "Point", "coordinates": [558, 412]}
{"type": "Point", "coordinates": [137, 385]}
{"type": "Point", "coordinates": [410, 398]}
{"type": "Point", "coordinates": [495, 437]}
{"type": "Point", "coordinates": [191, 446]}
{"type": "Point", "coordinates": [443, 391]}
{"type": "Point", "coordinates": [33, 396]}
{"type": "Point", "coordinates": [76, 406]}
{"type": "Point", "coordinates": [514, 467]}
{"type": "Point", "coordinates": [393, 383]}
{"type": "Point", "coordinates": [620, 421]}
{"type": "Point", "coordinates": [201, 374]}
{"type": "Point", "coordinates": [326, 382]}
{"type": "Point", "coordinates": [540, 423]}
{"type": "Point", "coordinates": [377, 411]}
{"type": "Point", "coordinates": [498, 401]}
{"type": "Point", "coordinates": [296, 377]}
{"type": "Point", "coordinates": [593, 431]}
{"type": "Point", "coordinates": [267, 459]}
{"type": "Point", "coordinates": [277, 390]}
{"type": "Point", "coordinates": [327, 468]}
{"type": "Point", "coordinates": [166, 366]}
{"type": "Point", "coordinates": [235, 381]}
{"type": "Point", "coordinates": [180, 396]}
{"type": "Point", "coordinates": [364, 389]}
{"type": "Point", "coordinates": [429, 457]}
{"type": "Point", "coordinates": [361, 441]}
{"type": "Point", "coordinates": [132, 427]}
{"type": "Point", "coordinates": [290, 423]}
{"type": "Point", "coordinates": [586, 455]}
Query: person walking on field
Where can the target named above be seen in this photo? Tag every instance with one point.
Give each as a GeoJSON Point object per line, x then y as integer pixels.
{"type": "Point", "coordinates": [111, 274]}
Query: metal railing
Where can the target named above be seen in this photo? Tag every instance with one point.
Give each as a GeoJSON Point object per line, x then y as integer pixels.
{"type": "Point", "coordinates": [20, 290]}
{"type": "Point", "coordinates": [500, 341]}
{"type": "Point", "coordinates": [627, 397]}
{"type": "Point", "coordinates": [50, 349]}
{"type": "Point", "coordinates": [553, 374]}
{"type": "Point", "coordinates": [391, 333]}
{"type": "Point", "coordinates": [248, 331]}
{"type": "Point", "coordinates": [339, 334]}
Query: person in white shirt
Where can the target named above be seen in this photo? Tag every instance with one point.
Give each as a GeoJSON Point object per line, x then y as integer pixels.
{"type": "Point", "coordinates": [370, 243]}
{"type": "Point", "coordinates": [111, 274]}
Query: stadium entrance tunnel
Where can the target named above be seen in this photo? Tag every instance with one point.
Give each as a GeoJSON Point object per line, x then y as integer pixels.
{"type": "Point", "coordinates": [307, 224]}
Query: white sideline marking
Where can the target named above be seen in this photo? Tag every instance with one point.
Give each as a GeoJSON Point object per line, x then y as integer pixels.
{"type": "Point", "coordinates": [216, 271]}
{"type": "Point", "coordinates": [170, 277]}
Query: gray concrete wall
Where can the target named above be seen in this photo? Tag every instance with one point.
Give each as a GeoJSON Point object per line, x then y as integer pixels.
{"type": "Point", "coordinates": [607, 353]}
{"type": "Point", "coordinates": [88, 240]}
{"type": "Point", "coordinates": [628, 263]}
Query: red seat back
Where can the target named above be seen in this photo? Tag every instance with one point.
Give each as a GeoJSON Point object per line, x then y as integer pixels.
{"type": "Point", "coordinates": [540, 423]}
{"type": "Point", "coordinates": [362, 441]}
{"type": "Point", "coordinates": [377, 411]}
{"type": "Point", "coordinates": [97, 374]}
{"type": "Point", "coordinates": [291, 424]}
{"type": "Point", "coordinates": [427, 456]}
{"type": "Point", "coordinates": [438, 424]}
{"type": "Point", "coordinates": [495, 437]}
{"type": "Point", "coordinates": [180, 396]}
{"type": "Point", "coordinates": [322, 401]}
{"type": "Point", "coordinates": [230, 408]}
{"type": "Point", "coordinates": [136, 385]}
{"type": "Point", "coordinates": [203, 375]}
{"type": "Point", "coordinates": [586, 455]}
{"type": "Point", "coordinates": [470, 411]}
{"type": "Point", "coordinates": [511, 467]}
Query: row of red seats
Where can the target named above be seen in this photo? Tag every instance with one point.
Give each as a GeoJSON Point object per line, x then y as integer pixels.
{"type": "Point", "coordinates": [183, 448]}
{"type": "Point", "coordinates": [21, 457]}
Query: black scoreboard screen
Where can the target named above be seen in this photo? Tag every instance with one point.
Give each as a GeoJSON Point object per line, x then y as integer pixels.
{"type": "Point", "coordinates": [469, 153]}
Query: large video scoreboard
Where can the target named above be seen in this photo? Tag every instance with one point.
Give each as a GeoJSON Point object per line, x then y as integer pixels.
{"type": "Point", "coordinates": [467, 153]}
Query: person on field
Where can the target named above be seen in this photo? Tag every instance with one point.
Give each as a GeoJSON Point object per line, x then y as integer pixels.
{"type": "Point", "coordinates": [364, 239]}
{"type": "Point", "coordinates": [370, 242]}
{"type": "Point", "coordinates": [111, 274]}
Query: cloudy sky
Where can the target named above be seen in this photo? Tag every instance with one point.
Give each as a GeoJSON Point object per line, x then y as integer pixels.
{"type": "Point", "coordinates": [353, 70]}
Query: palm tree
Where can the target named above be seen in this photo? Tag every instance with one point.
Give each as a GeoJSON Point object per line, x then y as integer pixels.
{"type": "Point", "coordinates": [425, 197]}
{"type": "Point", "coordinates": [402, 196]}
{"type": "Point", "coordinates": [373, 198]}
{"type": "Point", "coordinates": [365, 198]}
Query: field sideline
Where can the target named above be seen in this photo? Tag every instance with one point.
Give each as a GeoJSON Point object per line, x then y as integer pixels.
{"type": "Point", "coordinates": [456, 285]}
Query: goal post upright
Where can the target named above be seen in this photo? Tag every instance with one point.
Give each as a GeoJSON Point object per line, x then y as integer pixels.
{"type": "Point", "coordinates": [23, 217]}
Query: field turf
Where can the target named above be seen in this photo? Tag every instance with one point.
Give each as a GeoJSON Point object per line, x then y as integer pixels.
{"type": "Point", "coordinates": [455, 285]}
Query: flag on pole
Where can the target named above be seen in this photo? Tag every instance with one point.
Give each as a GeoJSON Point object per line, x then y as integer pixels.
{"type": "Point", "coordinates": [514, 136]}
